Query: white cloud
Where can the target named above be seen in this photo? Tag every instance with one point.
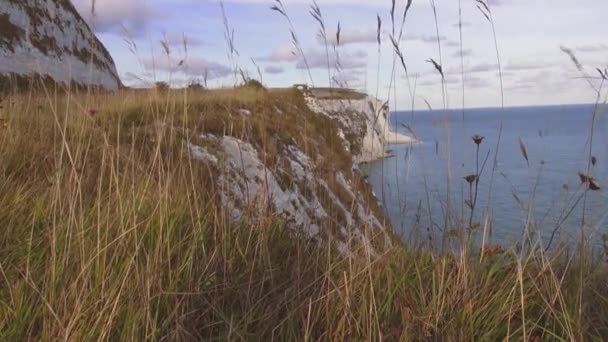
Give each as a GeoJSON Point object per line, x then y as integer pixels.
{"type": "Point", "coordinates": [112, 16]}
{"type": "Point", "coordinates": [318, 59]}
{"type": "Point", "coordinates": [346, 79]}
{"type": "Point", "coordinates": [281, 54]}
{"type": "Point", "coordinates": [194, 66]}
{"type": "Point", "coordinates": [425, 38]}
{"type": "Point", "coordinates": [451, 43]}
{"type": "Point", "coordinates": [351, 37]}
{"type": "Point", "coordinates": [592, 48]}
{"type": "Point", "coordinates": [177, 39]}
{"type": "Point", "coordinates": [524, 66]}
{"type": "Point", "coordinates": [464, 24]}
{"type": "Point", "coordinates": [465, 53]}
{"type": "Point", "coordinates": [273, 69]}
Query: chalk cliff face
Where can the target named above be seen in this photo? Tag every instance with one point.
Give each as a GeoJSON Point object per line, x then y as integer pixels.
{"type": "Point", "coordinates": [320, 206]}
{"type": "Point", "coordinates": [363, 124]}
{"type": "Point", "coordinates": [48, 38]}
{"type": "Point", "coordinates": [310, 178]}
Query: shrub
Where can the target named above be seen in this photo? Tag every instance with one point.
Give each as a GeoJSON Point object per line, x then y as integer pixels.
{"type": "Point", "coordinates": [195, 85]}
{"type": "Point", "coordinates": [161, 86]}
{"type": "Point", "coordinates": [253, 84]}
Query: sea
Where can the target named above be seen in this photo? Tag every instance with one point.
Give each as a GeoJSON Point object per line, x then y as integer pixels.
{"type": "Point", "coordinates": [529, 164]}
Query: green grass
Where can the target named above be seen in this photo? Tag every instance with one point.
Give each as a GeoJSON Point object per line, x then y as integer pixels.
{"type": "Point", "coordinates": [109, 231]}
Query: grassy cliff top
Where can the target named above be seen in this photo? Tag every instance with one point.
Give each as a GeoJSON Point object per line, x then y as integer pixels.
{"type": "Point", "coordinates": [337, 94]}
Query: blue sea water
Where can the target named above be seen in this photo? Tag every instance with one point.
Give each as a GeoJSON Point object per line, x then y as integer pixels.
{"type": "Point", "coordinates": [544, 193]}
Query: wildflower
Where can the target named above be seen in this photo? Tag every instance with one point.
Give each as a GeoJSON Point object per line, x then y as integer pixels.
{"type": "Point", "coordinates": [591, 183]}
{"type": "Point", "coordinates": [584, 178]}
{"type": "Point", "coordinates": [470, 178]}
{"type": "Point", "coordinates": [92, 112]}
{"type": "Point", "coordinates": [477, 139]}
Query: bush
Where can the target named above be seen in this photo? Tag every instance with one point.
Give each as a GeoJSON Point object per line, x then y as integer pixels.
{"type": "Point", "coordinates": [194, 85]}
{"type": "Point", "coordinates": [253, 84]}
{"type": "Point", "coordinates": [161, 86]}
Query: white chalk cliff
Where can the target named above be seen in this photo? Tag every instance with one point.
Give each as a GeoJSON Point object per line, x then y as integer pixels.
{"type": "Point", "coordinates": [338, 205]}
{"type": "Point", "coordinates": [48, 38]}
{"type": "Point", "coordinates": [363, 123]}
{"type": "Point", "coordinates": [309, 204]}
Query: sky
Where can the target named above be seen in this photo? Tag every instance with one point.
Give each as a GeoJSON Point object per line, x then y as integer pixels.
{"type": "Point", "coordinates": [208, 41]}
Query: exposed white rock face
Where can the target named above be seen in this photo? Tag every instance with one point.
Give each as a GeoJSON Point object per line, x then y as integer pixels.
{"type": "Point", "coordinates": [249, 187]}
{"type": "Point", "coordinates": [363, 125]}
{"type": "Point", "coordinates": [49, 38]}
{"type": "Point", "coordinates": [319, 203]}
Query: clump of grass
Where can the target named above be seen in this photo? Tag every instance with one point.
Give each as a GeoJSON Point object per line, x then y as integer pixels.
{"type": "Point", "coordinates": [253, 84]}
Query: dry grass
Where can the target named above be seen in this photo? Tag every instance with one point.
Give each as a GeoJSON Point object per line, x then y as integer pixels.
{"type": "Point", "coordinates": [110, 232]}
{"type": "Point", "coordinates": [336, 94]}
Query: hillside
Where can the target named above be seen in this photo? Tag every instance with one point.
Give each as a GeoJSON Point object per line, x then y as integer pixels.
{"type": "Point", "coordinates": [51, 41]}
{"type": "Point", "coordinates": [239, 214]}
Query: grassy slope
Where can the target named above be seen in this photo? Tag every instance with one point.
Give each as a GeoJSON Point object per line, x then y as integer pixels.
{"type": "Point", "coordinates": [110, 231]}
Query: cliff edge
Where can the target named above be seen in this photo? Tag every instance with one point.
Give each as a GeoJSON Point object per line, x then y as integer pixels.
{"type": "Point", "coordinates": [362, 121]}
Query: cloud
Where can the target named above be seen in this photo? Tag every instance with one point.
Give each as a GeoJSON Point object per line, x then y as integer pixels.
{"type": "Point", "coordinates": [115, 16]}
{"type": "Point", "coordinates": [592, 48]}
{"type": "Point", "coordinates": [465, 53]}
{"type": "Point", "coordinates": [318, 59]}
{"type": "Point", "coordinates": [194, 66]}
{"type": "Point", "coordinates": [470, 82]}
{"type": "Point", "coordinates": [490, 67]}
{"type": "Point", "coordinates": [345, 79]}
{"type": "Point", "coordinates": [136, 81]}
{"type": "Point", "coordinates": [436, 82]}
{"type": "Point", "coordinates": [177, 39]}
{"type": "Point", "coordinates": [425, 38]}
{"type": "Point", "coordinates": [281, 54]}
{"type": "Point", "coordinates": [476, 68]}
{"type": "Point", "coordinates": [476, 83]}
{"type": "Point", "coordinates": [496, 2]}
{"type": "Point", "coordinates": [131, 77]}
{"type": "Point", "coordinates": [452, 43]}
{"type": "Point", "coordinates": [273, 69]}
{"type": "Point", "coordinates": [464, 24]}
{"type": "Point", "coordinates": [371, 36]}
{"type": "Point", "coordinates": [530, 81]}
{"type": "Point", "coordinates": [523, 66]}
{"type": "Point", "coordinates": [351, 37]}
{"type": "Point", "coordinates": [358, 54]}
